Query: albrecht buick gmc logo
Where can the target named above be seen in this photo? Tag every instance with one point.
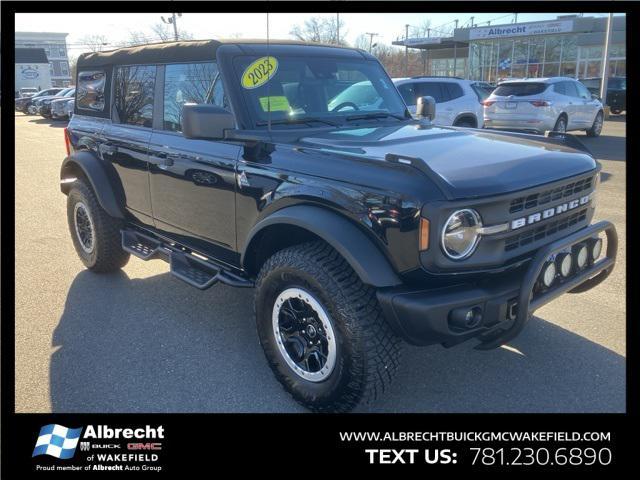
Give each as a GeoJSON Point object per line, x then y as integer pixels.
{"type": "Point", "coordinates": [61, 442]}
{"type": "Point", "coordinates": [549, 212]}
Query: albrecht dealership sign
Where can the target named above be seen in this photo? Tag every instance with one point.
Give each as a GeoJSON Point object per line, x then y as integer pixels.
{"type": "Point", "coordinates": [521, 30]}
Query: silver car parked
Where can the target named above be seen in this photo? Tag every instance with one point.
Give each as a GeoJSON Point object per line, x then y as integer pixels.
{"type": "Point", "coordinates": [540, 104]}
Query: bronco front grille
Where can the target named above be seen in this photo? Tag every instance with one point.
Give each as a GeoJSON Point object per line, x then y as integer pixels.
{"type": "Point", "coordinates": [538, 233]}
{"type": "Point", "coordinates": [531, 201]}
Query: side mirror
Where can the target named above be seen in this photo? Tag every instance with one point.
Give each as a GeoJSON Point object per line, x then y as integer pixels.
{"type": "Point", "coordinates": [206, 121]}
{"type": "Point", "coordinates": [426, 108]}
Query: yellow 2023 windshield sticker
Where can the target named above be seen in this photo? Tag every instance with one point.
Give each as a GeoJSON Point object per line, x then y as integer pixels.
{"type": "Point", "coordinates": [274, 104]}
{"type": "Point", "coordinates": [259, 72]}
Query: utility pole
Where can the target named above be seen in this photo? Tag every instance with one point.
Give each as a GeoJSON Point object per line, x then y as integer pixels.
{"type": "Point", "coordinates": [515, 18]}
{"type": "Point", "coordinates": [605, 64]}
{"type": "Point", "coordinates": [338, 28]}
{"type": "Point", "coordinates": [406, 50]}
{"type": "Point", "coordinates": [371, 35]}
{"type": "Point", "coordinates": [472, 21]}
{"type": "Point", "coordinates": [456, 20]}
{"type": "Point", "coordinates": [173, 21]}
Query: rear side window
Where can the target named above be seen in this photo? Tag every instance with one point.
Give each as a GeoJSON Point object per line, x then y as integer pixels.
{"type": "Point", "coordinates": [134, 95]}
{"type": "Point", "coordinates": [453, 89]}
{"type": "Point", "coordinates": [570, 89]}
{"type": "Point", "coordinates": [188, 83]}
{"type": "Point", "coordinates": [435, 90]}
{"type": "Point", "coordinates": [90, 90]}
{"type": "Point", "coordinates": [408, 92]}
{"type": "Point", "coordinates": [559, 88]}
{"type": "Point", "coordinates": [520, 89]}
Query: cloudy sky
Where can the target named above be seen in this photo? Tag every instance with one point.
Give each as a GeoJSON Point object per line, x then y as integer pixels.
{"type": "Point", "coordinates": [118, 27]}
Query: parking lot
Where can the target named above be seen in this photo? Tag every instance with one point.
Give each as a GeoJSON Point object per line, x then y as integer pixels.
{"type": "Point", "coordinates": [142, 341]}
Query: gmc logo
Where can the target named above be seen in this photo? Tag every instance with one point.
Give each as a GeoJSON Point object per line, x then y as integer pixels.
{"type": "Point", "coordinates": [549, 212]}
{"type": "Point", "coordinates": [144, 446]}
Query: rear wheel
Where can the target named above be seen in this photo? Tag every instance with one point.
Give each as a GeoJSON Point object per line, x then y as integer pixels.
{"type": "Point", "coordinates": [596, 128]}
{"type": "Point", "coordinates": [95, 234]}
{"type": "Point", "coordinates": [561, 125]}
{"type": "Point", "coordinates": [465, 123]}
{"type": "Point", "coordinates": [322, 330]}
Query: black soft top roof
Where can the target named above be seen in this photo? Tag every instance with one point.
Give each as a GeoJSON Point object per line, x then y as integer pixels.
{"type": "Point", "coordinates": [168, 52]}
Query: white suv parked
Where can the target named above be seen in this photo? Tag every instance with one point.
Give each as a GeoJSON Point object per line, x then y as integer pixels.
{"type": "Point", "coordinates": [540, 104]}
{"type": "Point", "coordinates": [458, 101]}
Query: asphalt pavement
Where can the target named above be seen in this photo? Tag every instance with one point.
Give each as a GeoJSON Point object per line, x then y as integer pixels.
{"type": "Point", "coordinates": [143, 341]}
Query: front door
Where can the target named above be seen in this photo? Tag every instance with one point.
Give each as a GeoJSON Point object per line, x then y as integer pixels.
{"type": "Point", "coordinates": [192, 182]}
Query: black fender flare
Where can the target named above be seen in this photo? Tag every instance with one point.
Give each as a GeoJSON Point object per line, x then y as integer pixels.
{"type": "Point", "coordinates": [98, 176]}
{"type": "Point", "coordinates": [366, 259]}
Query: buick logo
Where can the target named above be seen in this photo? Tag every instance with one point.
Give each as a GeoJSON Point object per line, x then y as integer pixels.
{"type": "Point", "coordinates": [549, 212]}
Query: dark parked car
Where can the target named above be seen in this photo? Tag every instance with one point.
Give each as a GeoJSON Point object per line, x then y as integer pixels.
{"type": "Point", "coordinates": [616, 91]}
{"type": "Point", "coordinates": [357, 227]}
{"type": "Point", "coordinates": [23, 103]}
{"type": "Point", "coordinates": [43, 105]}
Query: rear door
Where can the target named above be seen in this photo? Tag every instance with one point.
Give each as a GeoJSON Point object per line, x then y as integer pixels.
{"type": "Point", "coordinates": [192, 181]}
{"type": "Point", "coordinates": [565, 99]}
{"type": "Point", "coordinates": [126, 139]}
{"type": "Point", "coordinates": [589, 107]}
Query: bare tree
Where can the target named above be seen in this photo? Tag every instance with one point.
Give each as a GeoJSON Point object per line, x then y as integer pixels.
{"type": "Point", "coordinates": [159, 33]}
{"type": "Point", "coordinates": [320, 30]}
{"type": "Point", "coordinates": [95, 43]}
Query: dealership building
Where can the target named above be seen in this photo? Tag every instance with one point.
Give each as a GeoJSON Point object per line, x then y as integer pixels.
{"type": "Point", "coordinates": [569, 46]}
{"type": "Point", "coordinates": [54, 45]}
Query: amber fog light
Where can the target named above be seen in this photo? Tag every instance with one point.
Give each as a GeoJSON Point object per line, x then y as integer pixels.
{"type": "Point", "coordinates": [565, 262]}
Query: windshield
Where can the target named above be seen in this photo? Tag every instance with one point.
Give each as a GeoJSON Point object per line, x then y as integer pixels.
{"type": "Point", "coordinates": [316, 89]}
{"type": "Point", "coordinates": [520, 89]}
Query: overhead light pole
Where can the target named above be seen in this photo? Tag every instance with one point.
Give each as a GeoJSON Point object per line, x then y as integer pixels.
{"type": "Point", "coordinates": [173, 21]}
{"type": "Point", "coordinates": [371, 35]}
{"type": "Point", "coordinates": [605, 64]}
{"type": "Point", "coordinates": [406, 50]}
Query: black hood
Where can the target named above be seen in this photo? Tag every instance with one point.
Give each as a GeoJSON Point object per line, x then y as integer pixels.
{"type": "Point", "coordinates": [468, 162]}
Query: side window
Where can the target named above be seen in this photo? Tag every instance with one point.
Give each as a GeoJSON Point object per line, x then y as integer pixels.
{"type": "Point", "coordinates": [408, 92]}
{"type": "Point", "coordinates": [134, 94]}
{"type": "Point", "coordinates": [560, 88]}
{"type": "Point", "coordinates": [454, 90]}
{"type": "Point", "coordinates": [570, 89]}
{"type": "Point", "coordinates": [582, 91]}
{"type": "Point", "coordinates": [189, 83]}
{"type": "Point", "coordinates": [432, 89]}
{"type": "Point", "coordinates": [90, 92]}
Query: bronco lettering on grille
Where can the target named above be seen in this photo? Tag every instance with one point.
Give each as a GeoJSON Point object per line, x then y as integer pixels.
{"type": "Point", "coordinates": [549, 212]}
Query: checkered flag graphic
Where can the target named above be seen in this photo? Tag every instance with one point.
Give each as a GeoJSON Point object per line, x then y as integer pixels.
{"type": "Point", "coordinates": [57, 441]}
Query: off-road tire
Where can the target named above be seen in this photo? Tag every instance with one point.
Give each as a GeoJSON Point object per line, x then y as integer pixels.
{"type": "Point", "coordinates": [595, 131]}
{"type": "Point", "coordinates": [367, 350]}
{"type": "Point", "coordinates": [107, 254]}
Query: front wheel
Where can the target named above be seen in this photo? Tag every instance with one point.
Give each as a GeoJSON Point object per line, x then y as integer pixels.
{"type": "Point", "coordinates": [95, 234]}
{"type": "Point", "coordinates": [596, 128]}
{"type": "Point", "coordinates": [322, 330]}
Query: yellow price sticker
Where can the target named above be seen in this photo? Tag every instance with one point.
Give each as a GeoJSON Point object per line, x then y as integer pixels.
{"type": "Point", "coordinates": [259, 72]}
{"type": "Point", "coordinates": [275, 104]}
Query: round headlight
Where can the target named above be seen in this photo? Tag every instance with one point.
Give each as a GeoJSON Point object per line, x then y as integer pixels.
{"type": "Point", "coordinates": [460, 234]}
{"type": "Point", "coordinates": [581, 259]}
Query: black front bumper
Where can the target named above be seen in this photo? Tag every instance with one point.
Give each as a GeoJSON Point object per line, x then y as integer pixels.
{"type": "Point", "coordinates": [421, 316]}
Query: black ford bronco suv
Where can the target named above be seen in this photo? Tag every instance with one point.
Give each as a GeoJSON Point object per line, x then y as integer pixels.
{"type": "Point", "coordinates": [296, 169]}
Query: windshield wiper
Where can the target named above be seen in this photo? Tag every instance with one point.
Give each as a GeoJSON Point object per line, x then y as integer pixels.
{"type": "Point", "coordinates": [366, 116]}
{"type": "Point", "coordinates": [294, 121]}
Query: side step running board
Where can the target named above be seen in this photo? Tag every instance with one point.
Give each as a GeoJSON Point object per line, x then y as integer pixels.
{"type": "Point", "coordinates": [195, 271]}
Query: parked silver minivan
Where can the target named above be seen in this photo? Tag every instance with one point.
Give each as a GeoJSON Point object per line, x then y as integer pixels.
{"type": "Point", "coordinates": [540, 104]}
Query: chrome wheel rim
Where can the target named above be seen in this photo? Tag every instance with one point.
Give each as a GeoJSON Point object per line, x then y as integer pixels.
{"type": "Point", "coordinates": [85, 231]}
{"type": "Point", "coordinates": [597, 126]}
{"type": "Point", "coordinates": [304, 334]}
